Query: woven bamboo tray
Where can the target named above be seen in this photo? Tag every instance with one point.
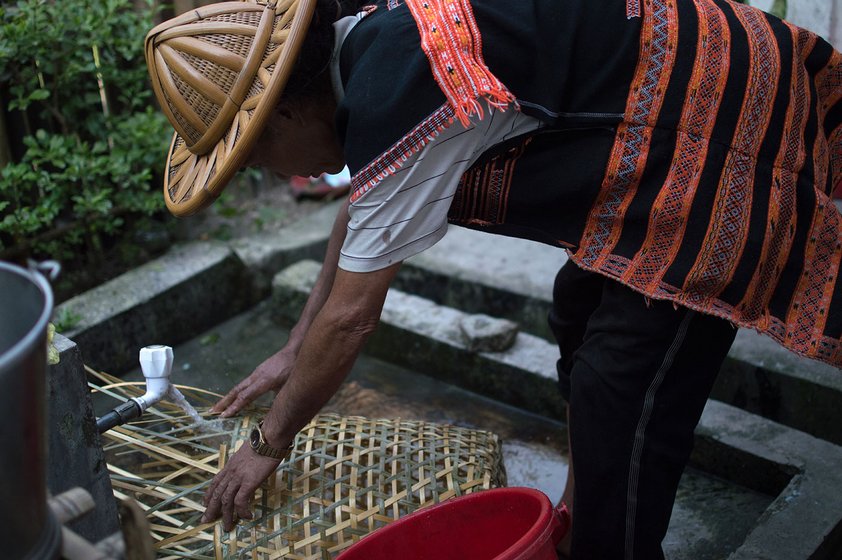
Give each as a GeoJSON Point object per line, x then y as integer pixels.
{"type": "Point", "coordinates": [346, 477]}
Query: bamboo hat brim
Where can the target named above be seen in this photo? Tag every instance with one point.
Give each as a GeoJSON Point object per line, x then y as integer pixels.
{"type": "Point", "coordinates": [218, 71]}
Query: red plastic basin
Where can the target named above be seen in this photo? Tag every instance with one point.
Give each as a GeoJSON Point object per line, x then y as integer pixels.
{"type": "Point", "coordinates": [499, 524]}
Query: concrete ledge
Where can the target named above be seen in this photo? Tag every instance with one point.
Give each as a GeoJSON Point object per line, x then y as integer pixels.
{"type": "Point", "coordinates": [762, 377]}
{"type": "Point", "coordinates": [167, 300]}
{"type": "Point", "coordinates": [425, 336]}
{"type": "Point", "coordinates": [74, 449]}
{"type": "Point", "coordinates": [513, 279]}
{"type": "Point", "coordinates": [267, 253]}
{"type": "Point", "coordinates": [480, 273]}
{"type": "Point", "coordinates": [805, 519]}
{"type": "Point", "coordinates": [801, 471]}
{"type": "Point", "coordinates": [177, 296]}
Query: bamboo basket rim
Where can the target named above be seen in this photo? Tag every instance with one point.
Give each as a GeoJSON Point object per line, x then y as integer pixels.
{"type": "Point", "coordinates": [346, 477]}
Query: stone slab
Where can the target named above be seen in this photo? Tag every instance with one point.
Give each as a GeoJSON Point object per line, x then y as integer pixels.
{"type": "Point", "coordinates": [526, 267]}
{"type": "Point", "coordinates": [483, 333]}
{"type": "Point", "coordinates": [418, 333]}
{"type": "Point", "coordinates": [513, 279]}
{"type": "Point", "coordinates": [500, 276]}
{"type": "Point", "coordinates": [163, 301]}
{"type": "Point", "coordinates": [268, 252]}
{"type": "Point", "coordinates": [799, 470]}
{"type": "Point", "coordinates": [711, 518]}
{"type": "Point", "coordinates": [805, 519]}
{"type": "Point", "coordinates": [74, 449]}
{"type": "Point", "coordinates": [762, 377]}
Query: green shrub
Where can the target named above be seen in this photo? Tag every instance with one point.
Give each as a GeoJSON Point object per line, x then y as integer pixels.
{"type": "Point", "coordinates": [74, 72]}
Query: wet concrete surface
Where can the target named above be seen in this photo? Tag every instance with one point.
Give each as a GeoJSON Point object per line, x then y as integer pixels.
{"type": "Point", "coordinates": [711, 519]}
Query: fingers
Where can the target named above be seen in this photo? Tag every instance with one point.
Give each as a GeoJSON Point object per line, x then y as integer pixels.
{"type": "Point", "coordinates": [243, 399]}
{"type": "Point", "coordinates": [228, 499]}
{"type": "Point", "coordinates": [226, 401]}
{"type": "Point", "coordinates": [240, 396]}
{"type": "Point", "coordinates": [242, 503]}
{"type": "Point", "coordinates": [269, 375]}
{"type": "Point", "coordinates": [231, 492]}
{"type": "Point", "coordinates": [213, 498]}
{"type": "Point", "coordinates": [228, 506]}
{"type": "Point", "coordinates": [237, 398]}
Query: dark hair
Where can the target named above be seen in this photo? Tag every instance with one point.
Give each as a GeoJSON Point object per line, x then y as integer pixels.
{"type": "Point", "coordinates": [311, 74]}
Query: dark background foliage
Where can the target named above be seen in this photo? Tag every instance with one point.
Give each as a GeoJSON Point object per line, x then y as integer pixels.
{"type": "Point", "coordinates": [86, 144]}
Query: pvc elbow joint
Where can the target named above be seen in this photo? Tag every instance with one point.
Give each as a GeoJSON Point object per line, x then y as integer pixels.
{"type": "Point", "coordinates": [156, 364]}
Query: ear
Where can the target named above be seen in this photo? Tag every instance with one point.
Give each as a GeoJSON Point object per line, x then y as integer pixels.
{"type": "Point", "coordinates": [293, 113]}
{"type": "Point", "coordinates": [286, 112]}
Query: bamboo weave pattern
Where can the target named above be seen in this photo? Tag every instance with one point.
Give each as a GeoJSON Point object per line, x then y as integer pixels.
{"type": "Point", "coordinates": [346, 477]}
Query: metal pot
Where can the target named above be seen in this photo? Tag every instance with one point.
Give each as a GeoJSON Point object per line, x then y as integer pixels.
{"type": "Point", "coordinates": [27, 528]}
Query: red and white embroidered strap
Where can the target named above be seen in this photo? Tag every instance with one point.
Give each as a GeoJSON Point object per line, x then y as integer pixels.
{"type": "Point", "coordinates": [451, 40]}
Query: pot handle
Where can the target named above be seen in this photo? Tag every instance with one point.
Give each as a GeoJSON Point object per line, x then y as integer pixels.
{"type": "Point", "coordinates": [561, 523]}
{"type": "Point", "coordinates": [49, 269]}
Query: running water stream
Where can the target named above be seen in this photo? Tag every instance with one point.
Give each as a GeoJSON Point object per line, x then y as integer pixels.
{"type": "Point", "coordinates": [177, 398]}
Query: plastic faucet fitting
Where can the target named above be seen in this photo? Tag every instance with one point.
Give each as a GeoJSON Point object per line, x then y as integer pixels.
{"type": "Point", "coordinates": [156, 364]}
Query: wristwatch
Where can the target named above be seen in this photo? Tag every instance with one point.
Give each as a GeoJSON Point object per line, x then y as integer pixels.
{"type": "Point", "coordinates": [261, 446]}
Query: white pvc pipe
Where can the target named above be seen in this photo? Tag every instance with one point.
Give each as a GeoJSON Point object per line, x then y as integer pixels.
{"type": "Point", "coordinates": [156, 364]}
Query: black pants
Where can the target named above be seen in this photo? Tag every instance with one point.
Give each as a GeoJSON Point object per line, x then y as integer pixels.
{"type": "Point", "coordinates": [636, 375]}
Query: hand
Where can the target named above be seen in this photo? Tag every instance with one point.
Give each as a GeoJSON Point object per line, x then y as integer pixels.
{"type": "Point", "coordinates": [232, 489]}
{"type": "Point", "coordinates": [268, 376]}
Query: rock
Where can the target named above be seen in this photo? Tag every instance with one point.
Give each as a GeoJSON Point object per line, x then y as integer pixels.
{"type": "Point", "coordinates": [488, 334]}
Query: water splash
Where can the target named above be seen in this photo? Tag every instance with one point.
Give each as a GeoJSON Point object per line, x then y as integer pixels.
{"type": "Point", "coordinates": [177, 398]}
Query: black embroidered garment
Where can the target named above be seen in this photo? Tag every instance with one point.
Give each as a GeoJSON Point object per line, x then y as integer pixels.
{"type": "Point", "coordinates": [690, 149]}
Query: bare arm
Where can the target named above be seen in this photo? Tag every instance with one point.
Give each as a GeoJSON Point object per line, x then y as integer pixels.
{"type": "Point", "coordinates": [324, 282]}
{"type": "Point", "coordinates": [275, 370]}
{"type": "Point", "coordinates": [328, 350]}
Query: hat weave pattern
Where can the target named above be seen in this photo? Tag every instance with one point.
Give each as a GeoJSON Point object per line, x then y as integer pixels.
{"type": "Point", "coordinates": [218, 71]}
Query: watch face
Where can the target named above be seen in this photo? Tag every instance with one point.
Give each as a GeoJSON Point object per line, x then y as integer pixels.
{"type": "Point", "coordinates": [254, 437]}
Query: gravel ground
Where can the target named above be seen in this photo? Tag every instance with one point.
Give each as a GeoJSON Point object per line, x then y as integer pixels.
{"type": "Point", "coordinates": [253, 203]}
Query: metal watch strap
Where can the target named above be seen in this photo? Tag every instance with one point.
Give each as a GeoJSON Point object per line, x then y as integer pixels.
{"type": "Point", "coordinates": [263, 448]}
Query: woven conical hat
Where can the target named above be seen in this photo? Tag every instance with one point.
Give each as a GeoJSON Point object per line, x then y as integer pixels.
{"type": "Point", "coordinates": [218, 71]}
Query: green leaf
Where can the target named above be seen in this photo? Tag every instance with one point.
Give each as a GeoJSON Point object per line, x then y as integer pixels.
{"type": "Point", "coordinates": [79, 163]}
{"type": "Point", "coordinates": [39, 95]}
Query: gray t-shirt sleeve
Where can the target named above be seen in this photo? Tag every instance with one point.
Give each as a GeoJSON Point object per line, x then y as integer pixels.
{"type": "Point", "coordinates": [406, 212]}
